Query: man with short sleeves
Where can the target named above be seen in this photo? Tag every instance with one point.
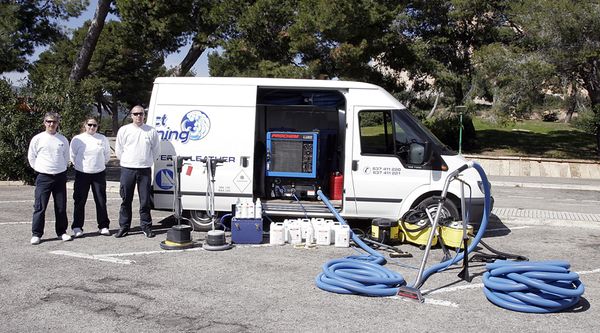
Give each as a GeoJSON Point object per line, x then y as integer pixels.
{"type": "Point", "coordinates": [136, 147]}
{"type": "Point", "coordinates": [48, 155]}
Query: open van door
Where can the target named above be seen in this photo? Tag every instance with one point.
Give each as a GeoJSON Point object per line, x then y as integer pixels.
{"type": "Point", "coordinates": [389, 161]}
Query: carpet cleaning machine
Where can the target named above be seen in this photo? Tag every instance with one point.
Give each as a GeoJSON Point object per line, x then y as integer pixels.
{"type": "Point", "coordinates": [538, 287]}
{"type": "Point", "coordinates": [179, 236]}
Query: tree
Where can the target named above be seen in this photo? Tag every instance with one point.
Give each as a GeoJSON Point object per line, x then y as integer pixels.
{"type": "Point", "coordinates": [15, 133]}
{"type": "Point", "coordinates": [434, 42]}
{"type": "Point", "coordinates": [567, 34]}
{"type": "Point", "coordinates": [307, 39]}
{"type": "Point", "coordinates": [120, 74]}
{"type": "Point", "coordinates": [89, 43]}
{"type": "Point", "coordinates": [27, 24]}
{"type": "Point", "coordinates": [165, 26]}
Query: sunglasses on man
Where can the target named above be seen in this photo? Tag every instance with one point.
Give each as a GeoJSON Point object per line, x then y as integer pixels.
{"type": "Point", "coordinates": [92, 125]}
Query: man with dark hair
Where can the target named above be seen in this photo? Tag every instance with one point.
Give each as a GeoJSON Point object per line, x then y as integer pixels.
{"type": "Point", "coordinates": [48, 155]}
{"type": "Point", "coordinates": [136, 147]}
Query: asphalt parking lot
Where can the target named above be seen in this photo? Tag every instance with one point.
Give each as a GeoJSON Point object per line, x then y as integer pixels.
{"type": "Point", "coordinates": [104, 284]}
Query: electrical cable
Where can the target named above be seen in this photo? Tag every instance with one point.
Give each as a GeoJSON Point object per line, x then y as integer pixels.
{"type": "Point", "coordinates": [534, 287]}
{"type": "Point", "coordinates": [497, 254]}
{"type": "Point", "coordinates": [301, 205]}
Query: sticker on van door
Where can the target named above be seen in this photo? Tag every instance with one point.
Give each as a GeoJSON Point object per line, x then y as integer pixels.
{"type": "Point", "coordinates": [164, 179]}
{"type": "Point", "coordinates": [241, 181]}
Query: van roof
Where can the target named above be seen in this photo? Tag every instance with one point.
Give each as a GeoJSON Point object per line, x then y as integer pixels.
{"type": "Point", "coordinates": [267, 82]}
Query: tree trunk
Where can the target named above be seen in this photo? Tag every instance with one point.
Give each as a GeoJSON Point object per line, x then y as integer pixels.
{"type": "Point", "coordinates": [89, 43]}
{"type": "Point", "coordinates": [115, 116]}
{"type": "Point", "coordinates": [190, 58]}
{"type": "Point", "coordinates": [571, 102]}
{"type": "Point", "coordinates": [437, 98]}
{"type": "Point", "coordinates": [591, 80]}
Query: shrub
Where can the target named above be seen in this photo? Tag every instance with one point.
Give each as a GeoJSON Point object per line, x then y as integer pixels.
{"type": "Point", "coordinates": [447, 129]}
{"type": "Point", "coordinates": [19, 125]}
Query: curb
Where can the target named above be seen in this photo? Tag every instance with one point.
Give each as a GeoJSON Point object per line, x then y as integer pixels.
{"type": "Point", "coordinates": [546, 185]}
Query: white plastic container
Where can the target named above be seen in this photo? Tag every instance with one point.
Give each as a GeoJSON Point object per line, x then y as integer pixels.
{"type": "Point", "coordinates": [276, 234]}
{"type": "Point", "coordinates": [305, 226]}
{"type": "Point", "coordinates": [324, 234]}
{"type": "Point", "coordinates": [342, 236]}
{"type": "Point", "coordinates": [294, 233]}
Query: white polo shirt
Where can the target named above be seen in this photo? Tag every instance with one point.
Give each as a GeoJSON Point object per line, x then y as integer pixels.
{"type": "Point", "coordinates": [90, 153]}
{"type": "Point", "coordinates": [48, 153]}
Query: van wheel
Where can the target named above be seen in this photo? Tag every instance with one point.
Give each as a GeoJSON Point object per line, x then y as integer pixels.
{"type": "Point", "coordinates": [449, 210]}
{"type": "Point", "coordinates": [198, 219]}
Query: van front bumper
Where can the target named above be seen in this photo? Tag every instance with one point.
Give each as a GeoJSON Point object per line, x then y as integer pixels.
{"type": "Point", "coordinates": [476, 211]}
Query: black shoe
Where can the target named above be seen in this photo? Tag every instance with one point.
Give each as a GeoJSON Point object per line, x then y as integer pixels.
{"type": "Point", "coordinates": [148, 232]}
{"type": "Point", "coordinates": [122, 232]}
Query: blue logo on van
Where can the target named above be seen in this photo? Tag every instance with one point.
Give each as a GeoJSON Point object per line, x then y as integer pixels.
{"type": "Point", "coordinates": [164, 179]}
{"type": "Point", "coordinates": [194, 126]}
{"type": "Point", "coordinates": [197, 123]}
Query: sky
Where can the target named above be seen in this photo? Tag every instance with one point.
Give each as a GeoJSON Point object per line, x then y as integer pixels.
{"type": "Point", "coordinates": [201, 67]}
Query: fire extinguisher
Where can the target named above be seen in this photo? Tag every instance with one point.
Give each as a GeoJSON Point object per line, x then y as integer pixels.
{"type": "Point", "coordinates": [336, 186]}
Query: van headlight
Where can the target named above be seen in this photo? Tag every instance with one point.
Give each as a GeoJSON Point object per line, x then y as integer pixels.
{"type": "Point", "coordinates": [480, 185]}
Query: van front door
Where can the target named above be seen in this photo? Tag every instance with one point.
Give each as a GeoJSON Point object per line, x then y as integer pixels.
{"type": "Point", "coordinates": [380, 176]}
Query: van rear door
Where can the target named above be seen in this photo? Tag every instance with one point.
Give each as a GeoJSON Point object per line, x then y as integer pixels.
{"type": "Point", "coordinates": [199, 121]}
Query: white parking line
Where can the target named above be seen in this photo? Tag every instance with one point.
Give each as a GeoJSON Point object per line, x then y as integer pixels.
{"type": "Point", "coordinates": [111, 257]}
{"type": "Point", "coordinates": [86, 221]}
{"type": "Point", "coordinates": [93, 257]}
{"type": "Point", "coordinates": [505, 229]}
{"type": "Point", "coordinates": [428, 300]}
{"type": "Point", "coordinates": [31, 200]}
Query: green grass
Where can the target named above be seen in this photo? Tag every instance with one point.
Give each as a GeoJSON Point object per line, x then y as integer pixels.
{"type": "Point", "coordinates": [533, 138]}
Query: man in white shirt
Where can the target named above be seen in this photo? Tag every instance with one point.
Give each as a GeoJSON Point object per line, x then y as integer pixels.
{"type": "Point", "coordinates": [136, 147]}
{"type": "Point", "coordinates": [48, 155]}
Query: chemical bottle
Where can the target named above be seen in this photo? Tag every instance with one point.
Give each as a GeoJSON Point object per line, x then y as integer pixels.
{"type": "Point", "coordinates": [238, 208]}
{"type": "Point", "coordinates": [258, 209]}
{"type": "Point", "coordinates": [244, 213]}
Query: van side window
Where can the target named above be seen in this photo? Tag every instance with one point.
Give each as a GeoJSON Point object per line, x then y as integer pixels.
{"type": "Point", "coordinates": [376, 132]}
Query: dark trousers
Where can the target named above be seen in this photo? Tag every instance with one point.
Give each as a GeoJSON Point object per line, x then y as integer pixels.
{"type": "Point", "coordinates": [81, 188]}
{"type": "Point", "coordinates": [45, 185]}
{"type": "Point", "coordinates": [130, 177]}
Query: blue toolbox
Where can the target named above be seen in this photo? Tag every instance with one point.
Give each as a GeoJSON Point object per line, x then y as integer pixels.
{"type": "Point", "coordinates": [246, 231]}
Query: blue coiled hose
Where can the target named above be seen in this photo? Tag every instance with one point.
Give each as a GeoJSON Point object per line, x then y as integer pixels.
{"type": "Point", "coordinates": [539, 287]}
{"type": "Point", "coordinates": [366, 275]}
{"type": "Point", "coordinates": [535, 287]}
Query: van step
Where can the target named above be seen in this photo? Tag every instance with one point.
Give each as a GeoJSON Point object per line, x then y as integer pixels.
{"type": "Point", "coordinates": [274, 206]}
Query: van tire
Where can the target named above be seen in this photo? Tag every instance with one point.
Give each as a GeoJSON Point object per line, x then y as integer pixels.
{"type": "Point", "coordinates": [448, 209]}
{"type": "Point", "coordinates": [198, 220]}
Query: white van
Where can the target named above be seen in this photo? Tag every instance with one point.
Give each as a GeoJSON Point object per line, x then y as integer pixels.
{"type": "Point", "coordinates": [281, 140]}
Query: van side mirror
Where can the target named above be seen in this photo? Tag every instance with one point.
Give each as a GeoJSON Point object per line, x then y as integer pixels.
{"type": "Point", "coordinates": [419, 153]}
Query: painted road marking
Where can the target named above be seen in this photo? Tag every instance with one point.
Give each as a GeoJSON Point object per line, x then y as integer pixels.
{"type": "Point", "coordinates": [431, 301]}
{"type": "Point", "coordinates": [509, 229]}
{"type": "Point", "coordinates": [90, 221]}
{"type": "Point", "coordinates": [31, 200]}
{"type": "Point", "coordinates": [111, 257]}
{"type": "Point", "coordinates": [93, 257]}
